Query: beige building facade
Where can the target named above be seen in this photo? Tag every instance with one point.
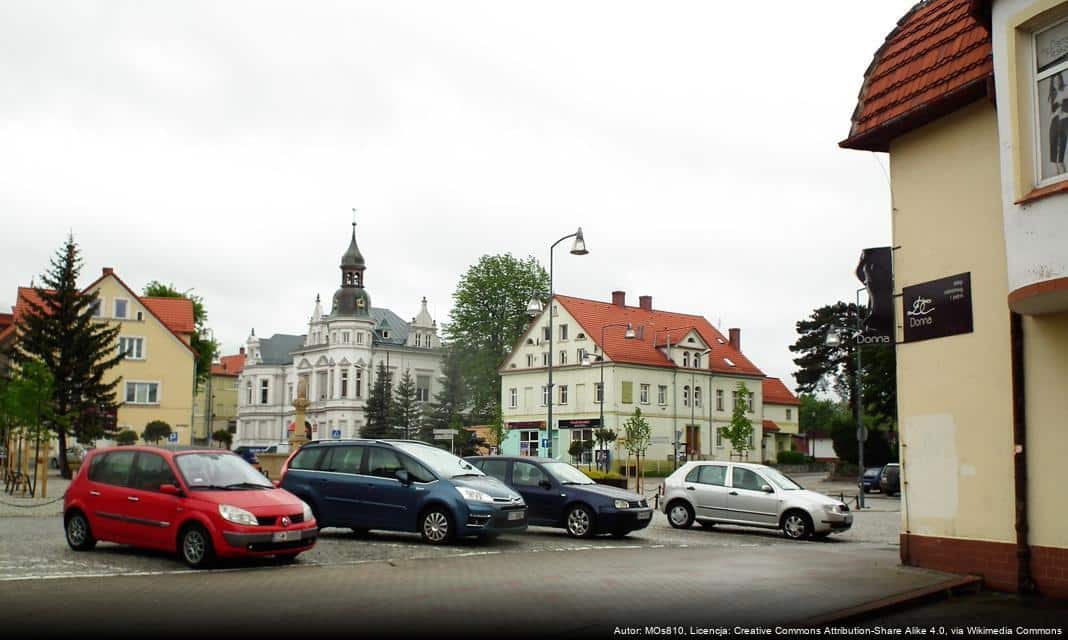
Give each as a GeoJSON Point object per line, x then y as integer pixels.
{"type": "Point", "coordinates": [980, 219]}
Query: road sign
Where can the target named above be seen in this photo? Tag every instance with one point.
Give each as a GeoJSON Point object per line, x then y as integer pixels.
{"type": "Point", "coordinates": [544, 443]}
{"type": "Point", "coordinates": [336, 434]}
{"type": "Point", "coordinates": [172, 437]}
{"type": "Point", "coordinates": [444, 434]}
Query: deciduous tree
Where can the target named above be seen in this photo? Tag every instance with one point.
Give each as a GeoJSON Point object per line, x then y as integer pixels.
{"type": "Point", "coordinates": [740, 430]}
{"type": "Point", "coordinates": [155, 431]}
{"type": "Point", "coordinates": [637, 438]}
{"type": "Point", "coordinates": [488, 316]}
{"type": "Point", "coordinates": [205, 348]}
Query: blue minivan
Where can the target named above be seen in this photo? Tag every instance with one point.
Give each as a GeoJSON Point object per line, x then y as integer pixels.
{"type": "Point", "coordinates": [401, 485]}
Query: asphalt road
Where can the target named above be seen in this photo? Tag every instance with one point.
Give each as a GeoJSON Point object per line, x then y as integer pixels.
{"type": "Point", "coordinates": [579, 592]}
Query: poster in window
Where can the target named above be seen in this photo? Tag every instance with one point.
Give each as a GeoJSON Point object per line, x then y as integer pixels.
{"type": "Point", "coordinates": [1051, 62]}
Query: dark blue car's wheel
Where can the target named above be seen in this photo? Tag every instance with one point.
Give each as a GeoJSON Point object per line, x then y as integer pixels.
{"type": "Point", "coordinates": [579, 521]}
{"type": "Point", "coordinates": [436, 526]}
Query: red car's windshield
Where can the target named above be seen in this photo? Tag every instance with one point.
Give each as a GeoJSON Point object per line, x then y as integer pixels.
{"type": "Point", "coordinates": [219, 471]}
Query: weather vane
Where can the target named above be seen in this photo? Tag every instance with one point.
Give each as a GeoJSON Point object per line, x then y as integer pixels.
{"type": "Point", "coordinates": [354, 217]}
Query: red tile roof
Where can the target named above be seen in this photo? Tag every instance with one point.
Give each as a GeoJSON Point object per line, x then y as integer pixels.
{"type": "Point", "coordinates": [775, 392]}
{"type": "Point", "coordinates": [936, 60]}
{"type": "Point", "coordinates": [770, 426]}
{"type": "Point", "coordinates": [176, 313]}
{"type": "Point", "coordinates": [592, 315]}
{"type": "Point", "coordinates": [229, 365]}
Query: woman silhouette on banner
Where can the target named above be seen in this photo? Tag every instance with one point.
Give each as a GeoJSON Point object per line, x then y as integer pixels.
{"type": "Point", "coordinates": [1058, 121]}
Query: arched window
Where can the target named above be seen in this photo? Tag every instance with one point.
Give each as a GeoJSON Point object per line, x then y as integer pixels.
{"type": "Point", "coordinates": [686, 358]}
{"type": "Point", "coordinates": [686, 396]}
{"type": "Point", "coordinates": [697, 396]}
{"type": "Point", "coordinates": [697, 361]}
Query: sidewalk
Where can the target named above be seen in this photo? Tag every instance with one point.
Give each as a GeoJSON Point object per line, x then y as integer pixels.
{"type": "Point", "coordinates": [16, 505]}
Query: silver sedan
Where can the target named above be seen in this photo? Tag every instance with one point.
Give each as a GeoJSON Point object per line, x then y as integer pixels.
{"type": "Point", "coordinates": [749, 494]}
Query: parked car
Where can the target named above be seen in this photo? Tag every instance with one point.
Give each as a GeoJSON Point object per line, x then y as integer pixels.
{"type": "Point", "coordinates": [749, 494]}
{"type": "Point", "coordinates": [248, 454]}
{"type": "Point", "coordinates": [74, 454]}
{"type": "Point", "coordinates": [560, 495]}
{"type": "Point", "coordinates": [401, 485]}
{"type": "Point", "coordinates": [870, 480]}
{"type": "Point", "coordinates": [890, 479]}
{"type": "Point", "coordinates": [202, 504]}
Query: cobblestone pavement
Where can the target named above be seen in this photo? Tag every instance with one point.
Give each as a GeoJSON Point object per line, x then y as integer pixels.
{"type": "Point", "coordinates": [32, 543]}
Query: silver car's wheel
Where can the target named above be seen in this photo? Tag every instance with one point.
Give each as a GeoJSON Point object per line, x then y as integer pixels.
{"type": "Point", "coordinates": [797, 525]}
{"type": "Point", "coordinates": [78, 536]}
{"type": "Point", "coordinates": [680, 515]}
{"type": "Point", "coordinates": [196, 547]}
{"type": "Point", "coordinates": [436, 527]}
{"type": "Point", "coordinates": [579, 522]}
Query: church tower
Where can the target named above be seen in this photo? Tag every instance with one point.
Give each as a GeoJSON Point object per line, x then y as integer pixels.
{"type": "Point", "coordinates": [351, 300]}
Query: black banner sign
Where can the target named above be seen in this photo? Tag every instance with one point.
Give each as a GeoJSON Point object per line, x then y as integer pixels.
{"type": "Point", "coordinates": [585, 423]}
{"type": "Point", "coordinates": [875, 270]}
{"type": "Point", "coordinates": [533, 424]}
{"type": "Point", "coordinates": [938, 308]}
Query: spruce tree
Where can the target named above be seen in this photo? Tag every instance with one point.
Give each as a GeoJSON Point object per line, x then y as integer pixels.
{"type": "Point", "coordinates": [58, 330]}
{"type": "Point", "coordinates": [450, 400]}
{"type": "Point", "coordinates": [406, 409]}
{"type": "Point", "coordinates": [377, 410]}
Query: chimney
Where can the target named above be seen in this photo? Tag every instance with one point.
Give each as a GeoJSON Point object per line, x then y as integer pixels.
{"type": "Point", "coordinates": [645, 302]}
{"type": "Point", "coordinates": [241, 351]}
{"type": "Point", "coordinates": [108, 271]}
{"type": "Point", "coordinates": [736, 339]}
{"type": "Point", "coordinates": [619, 298]}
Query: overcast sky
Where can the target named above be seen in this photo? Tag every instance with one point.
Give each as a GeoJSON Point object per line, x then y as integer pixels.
{"type": "Point", "coordinates": [220, 146]}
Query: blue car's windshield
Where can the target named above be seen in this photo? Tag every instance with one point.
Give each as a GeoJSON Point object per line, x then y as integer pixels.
{"type": "Point", "coordinates": [566, 474]}
{"type": "Point", "coordinates": [441, 462]}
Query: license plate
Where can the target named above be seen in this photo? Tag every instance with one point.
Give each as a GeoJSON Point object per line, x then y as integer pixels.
{"type": "Point", "coordinates": [645, 515]}
{"type": "Point", "coordinates": [285, 536]}
{"type": "Point", "coordinates": [516, 515]}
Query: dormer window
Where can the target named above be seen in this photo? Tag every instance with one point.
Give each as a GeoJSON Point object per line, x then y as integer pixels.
{"type": "Point", "coordinates": [730, 363]}
{"type": "Point", "coordinates": [385, 334]}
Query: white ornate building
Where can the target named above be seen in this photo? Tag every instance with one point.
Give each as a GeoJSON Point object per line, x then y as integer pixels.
{"type": "Point", "coordinates": [337, 358]}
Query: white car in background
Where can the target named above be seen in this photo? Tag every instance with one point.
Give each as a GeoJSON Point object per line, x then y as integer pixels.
{"type": "Point", "coordinates": [712, 492]}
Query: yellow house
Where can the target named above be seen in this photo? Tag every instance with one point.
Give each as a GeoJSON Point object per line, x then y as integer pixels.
{"type": "Point", "coordinates": [781, 423]}
{"type": "Point", "coordinates": [157, 374]}
{"type": "Point", "coordinates": [222, 388]}
{"type": "Point", "coordinates": [968, 98]}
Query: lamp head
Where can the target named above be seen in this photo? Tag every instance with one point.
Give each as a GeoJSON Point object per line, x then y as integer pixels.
{"type": "Point", "coordinates": [534, 307]}
{"type": "Point", "coordinates": [629, 333]}
{"type": "Point", "coordinates": [587, 359]}
{"type": "Point", "coordinates": [579, 246]}
{"type": "Point", "coordinates": [833, 339]}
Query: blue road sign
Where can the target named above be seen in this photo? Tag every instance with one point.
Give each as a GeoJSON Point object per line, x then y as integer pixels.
{"type": "Point", "coordinates": [336, 434]}
{"type": "Point", "coordinates": [172, 437]}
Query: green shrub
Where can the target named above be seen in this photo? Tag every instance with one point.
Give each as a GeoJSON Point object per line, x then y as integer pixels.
{"type": "Point", "coordinates": [601, 475]}
{"type": "Point", "coordinates": [126, 436]}
{"type": "Point", "coordinates": [792, 457]}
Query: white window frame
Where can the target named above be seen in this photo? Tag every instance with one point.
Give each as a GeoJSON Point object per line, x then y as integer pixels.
{"type": "Point", "coordinates": [513, 398]}
{"type": "Point", "coordinates": [530, 360]}
{"type": "Point", "coordinates": [357, 384]}
{"type": "Point", "coordinates": [643, 394]}
{"type": "Point", "coordinates": [139, 352]}
{"type": "Point", "coordinates": [788, 419]}
{"type": "Point", "coordinates": [345, 337]}
{"type": "Point", "coordinates": [661, 394]}
{"type": "Point", "coordinates": [1038, 77]}
{"type": "Point", "coordinates": [345, 383]}
{"type": "Point", "coordinates": [248, 393]}
{"type": "Point", "coordinates": [697, 397]}
{"type": "Point", "coordinates": [685, 395]}
{"type": "Point", "coordinates": [598, 393]}
{"type": "Point", "coordinates": [265, 391]}
{"type": "Point", "coordinates": [422, 394]}
{"type": "Point", "coordinates": [545, 358]}
{"type": "Point", "coordinates": [115, 309]}
{"type": "Point", "coordinates": [149, 384]}
{"type": "Point", "coordinates": [563, 358]}
{"type": "Point", "coordinates": [98, 307]}
{"type": "Point", "coordinates": [545, 399]}
{"type": "Point", "coordinates": [563, 332]}
{"type": "Point", "coordinates": [563, 394]}
{"type": "Point", "coordinates": [719, 399]}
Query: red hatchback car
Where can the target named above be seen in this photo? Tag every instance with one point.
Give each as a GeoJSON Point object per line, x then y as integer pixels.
{"type": "Point", "coordinates": [203, 504]}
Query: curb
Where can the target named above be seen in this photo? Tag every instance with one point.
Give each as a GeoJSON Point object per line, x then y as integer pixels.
{"type": "Point", "coordinates": [940, 591]}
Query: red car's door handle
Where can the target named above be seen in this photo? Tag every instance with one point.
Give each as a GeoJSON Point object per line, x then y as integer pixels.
{"type": "Point", "coordinates": [133, 498]}
{"type": "Point", "coordinates": [94, 493]}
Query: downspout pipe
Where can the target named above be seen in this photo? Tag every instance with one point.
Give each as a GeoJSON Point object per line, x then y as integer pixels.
{"type": "Point", "coordinates": [1025, 583]}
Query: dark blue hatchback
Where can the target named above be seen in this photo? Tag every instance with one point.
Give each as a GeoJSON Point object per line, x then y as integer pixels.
{"type": "Point", "coordinates": [560, 495]}
{"type": "Point", "coordinates": [401, 485]}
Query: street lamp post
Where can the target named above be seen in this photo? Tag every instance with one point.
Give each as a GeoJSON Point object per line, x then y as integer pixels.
{"type": "Point", "coordinates": [578, 248]}
{"type": "Point", "coordinates": [834, 339]}
{"type": "Point", "coordinates": [586, 361]}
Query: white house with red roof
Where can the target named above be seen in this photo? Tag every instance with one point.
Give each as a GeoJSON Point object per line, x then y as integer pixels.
{"type": "Point", "coordinates": [157, 373]}
{"type": "Point", "coordinates": [678, 369]}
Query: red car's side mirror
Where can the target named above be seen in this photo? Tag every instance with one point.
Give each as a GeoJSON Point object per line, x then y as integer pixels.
{"type": "Point", "coordinates": [170, 489]}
